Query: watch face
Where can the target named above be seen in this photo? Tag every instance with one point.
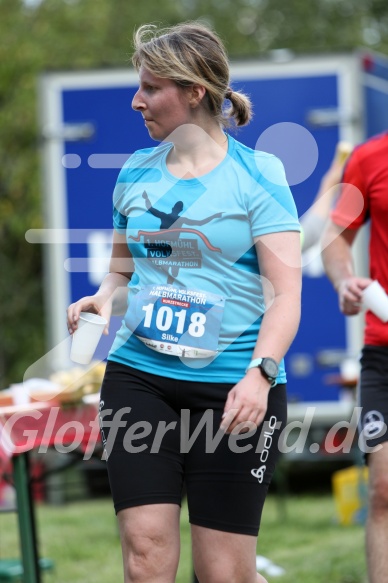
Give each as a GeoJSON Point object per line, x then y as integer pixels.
{"type": "Point", "coordinates": [270, 367]}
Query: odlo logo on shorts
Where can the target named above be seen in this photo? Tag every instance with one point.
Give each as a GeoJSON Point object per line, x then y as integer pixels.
{"type": "Point", "coordinates": [268, 433]}
{"type": "Point", "coordinates": [373, 424]}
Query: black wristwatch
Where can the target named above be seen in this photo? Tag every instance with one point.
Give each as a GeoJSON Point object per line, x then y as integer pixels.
{"type": "Point", "coordinates": [268, 366]}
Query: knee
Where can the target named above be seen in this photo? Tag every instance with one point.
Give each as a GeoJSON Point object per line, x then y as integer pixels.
{"type": "Point", "coordinates": [378, 497]}
{"type": "Point", "coordinates": [139, 560]}
{"type": "Point", "coordinates": [146, 557]}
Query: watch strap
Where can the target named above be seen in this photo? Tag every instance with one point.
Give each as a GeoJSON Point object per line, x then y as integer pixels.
{"type": "Point", "coordinates": [255, 363]}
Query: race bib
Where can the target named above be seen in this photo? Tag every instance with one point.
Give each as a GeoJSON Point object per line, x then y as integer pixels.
{"type": "Point", "coordinates": [176, 321]}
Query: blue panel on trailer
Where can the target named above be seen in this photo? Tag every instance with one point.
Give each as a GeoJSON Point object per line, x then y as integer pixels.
{"type": "Point", "coordinates": [119, 130]}
{"type": "Point", "coordinates": [376, 104]}
{"type": "Point", "coordinates": [375, 93]}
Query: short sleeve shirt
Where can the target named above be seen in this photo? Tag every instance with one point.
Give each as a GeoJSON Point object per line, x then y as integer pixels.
{"type": "Point", "coordinates": [193, 247]}
{"type": "Point", "coordinates": [364, 197]}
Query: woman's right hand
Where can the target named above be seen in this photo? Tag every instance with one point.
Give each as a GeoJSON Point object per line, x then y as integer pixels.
{"type": "Point", "coordinates": [98, 304]}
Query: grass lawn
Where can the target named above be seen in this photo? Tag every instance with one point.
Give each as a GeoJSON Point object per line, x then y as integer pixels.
{"type": "Point", "coordinates": [302, 537]}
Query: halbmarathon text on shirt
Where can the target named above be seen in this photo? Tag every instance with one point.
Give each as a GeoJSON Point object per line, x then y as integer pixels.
{"type": "Point", "coordinates": [192, 297]}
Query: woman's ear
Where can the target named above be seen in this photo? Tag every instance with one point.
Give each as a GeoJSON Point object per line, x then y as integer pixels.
{"type": "Point", "coordinates": [197, 93]}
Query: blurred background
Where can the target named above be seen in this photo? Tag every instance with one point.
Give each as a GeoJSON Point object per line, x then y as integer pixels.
{"type": "Point", "coordinates": [280, 44]}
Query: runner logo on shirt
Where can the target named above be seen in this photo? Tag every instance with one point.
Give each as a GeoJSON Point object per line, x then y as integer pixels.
{"type": "Point", "coordinates": [173, 252]}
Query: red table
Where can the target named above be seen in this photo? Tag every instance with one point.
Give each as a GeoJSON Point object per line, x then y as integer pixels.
{"type": "Point", "coordinates": [41, 425]}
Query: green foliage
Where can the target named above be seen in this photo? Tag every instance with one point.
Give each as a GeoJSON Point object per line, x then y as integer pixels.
{"type": "Point", "coordinates": [82, 539]}
{"type": "Point", "coordinates": [83, 34]}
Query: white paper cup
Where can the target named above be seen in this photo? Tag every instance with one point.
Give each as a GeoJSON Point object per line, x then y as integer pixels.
{"type": "Point", "coordinates": [86, 337]}
{"type": "Point", "coordinates": [20, 394]}
{"type": "Point", "coordinates": [350, 369]}
{"type": "Point", "coordinates": [375, 299]}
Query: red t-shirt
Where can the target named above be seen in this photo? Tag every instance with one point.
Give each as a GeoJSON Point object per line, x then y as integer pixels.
{"type": "Point", "coordinates": [365, 196]}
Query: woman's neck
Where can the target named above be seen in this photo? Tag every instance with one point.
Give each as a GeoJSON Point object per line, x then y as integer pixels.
{"type": "Point", "coordinates": [196, 150]}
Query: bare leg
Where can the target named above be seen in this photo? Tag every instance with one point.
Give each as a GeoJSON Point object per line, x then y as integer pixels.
{"type": "Point", "coordinates": [377, 522]}
{"type": "Point", "coordinates": [223, 556]}
{"type": "Point", "coordinates": [150, 543]}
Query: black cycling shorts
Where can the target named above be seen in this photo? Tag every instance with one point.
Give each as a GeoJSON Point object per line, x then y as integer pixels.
{"type": "Point", "coordinates": [373, 396]}
{"type": "Point", "coordinates": [161, 434]}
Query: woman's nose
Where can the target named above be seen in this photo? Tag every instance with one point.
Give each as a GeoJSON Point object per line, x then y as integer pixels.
{"type": "Point", "coordinates": [137, 101]}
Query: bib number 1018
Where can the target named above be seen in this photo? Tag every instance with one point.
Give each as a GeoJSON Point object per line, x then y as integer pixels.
{"type": "Point", "coordinates": [165, 317]}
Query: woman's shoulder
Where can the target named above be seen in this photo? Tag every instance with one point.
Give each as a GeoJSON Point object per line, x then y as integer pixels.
{"type": "Point", "coordinates": [143, 160]}
{"type": "Point", "coordinates": [147, 156]}
{"type": "Point", "coordinates": [256, 162]}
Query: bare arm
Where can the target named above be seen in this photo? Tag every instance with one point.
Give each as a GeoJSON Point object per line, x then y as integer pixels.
{"type": "Point", "coordinates": [328, 189]}
{"type": "Point", "coordinates": [337, 260]}
{"type": "Point", "coordinates": [313, 221]}
{"type": "Point", "coordinates": [112, 294]}
{"type": "Point", "coordinates": [279, 260]}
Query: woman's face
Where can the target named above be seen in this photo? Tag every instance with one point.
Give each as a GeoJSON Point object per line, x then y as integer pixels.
{"type": "Point", "coordinates": [163, 105]}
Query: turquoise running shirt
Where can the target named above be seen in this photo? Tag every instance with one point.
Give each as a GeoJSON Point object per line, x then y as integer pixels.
{"type": "Point", "coordinates": [195, 300]}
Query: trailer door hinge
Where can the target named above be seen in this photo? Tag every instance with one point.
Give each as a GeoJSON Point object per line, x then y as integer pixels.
{"type": "Point", "coordinates": [330, 116]}
{"type": "Point", "coordinates": [75, 132]}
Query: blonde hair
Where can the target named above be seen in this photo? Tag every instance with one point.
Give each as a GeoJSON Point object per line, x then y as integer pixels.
{"type": "Point", "coordinates": [191, 53]}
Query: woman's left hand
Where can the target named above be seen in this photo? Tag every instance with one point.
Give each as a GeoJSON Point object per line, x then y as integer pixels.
{"type": "Point", "coordinates": [246, 402]}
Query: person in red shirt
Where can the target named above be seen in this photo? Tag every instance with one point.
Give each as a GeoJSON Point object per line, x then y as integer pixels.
{"type": "Point", "coordinates": [364, 198]}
